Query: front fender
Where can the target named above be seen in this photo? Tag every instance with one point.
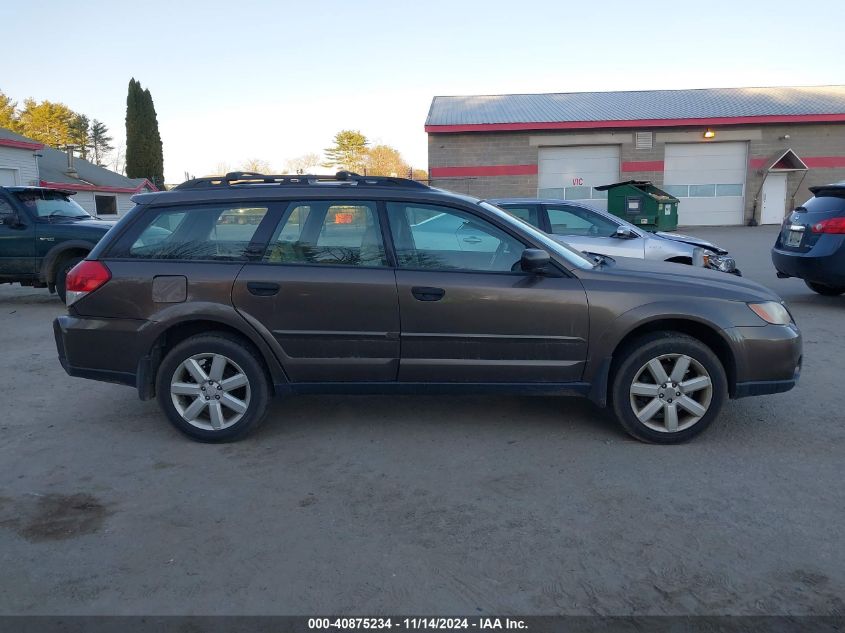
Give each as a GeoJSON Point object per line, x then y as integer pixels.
{"type": "Point", "coordinates": [720, 319]}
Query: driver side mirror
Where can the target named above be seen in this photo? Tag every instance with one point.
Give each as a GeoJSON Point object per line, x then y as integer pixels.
{"type": "Point", "coordinates": [624, 233]}
{"type": "Point", "coordinates": [534, 260]}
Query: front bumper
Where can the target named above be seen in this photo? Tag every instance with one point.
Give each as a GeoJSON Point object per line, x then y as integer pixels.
{"type": "Point", "coordinates": [100, 349]}
{"type": "Point", "coordinates": [767, 359]}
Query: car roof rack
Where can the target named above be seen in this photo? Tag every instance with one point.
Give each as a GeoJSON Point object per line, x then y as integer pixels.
{"type": "Point", "coordinates": [342, 178]}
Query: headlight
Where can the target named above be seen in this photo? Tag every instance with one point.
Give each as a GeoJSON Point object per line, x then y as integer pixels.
{"type": "Point", "coordinates": [772, 312]}
{"type": "Point", "coordinates": [722, 263]}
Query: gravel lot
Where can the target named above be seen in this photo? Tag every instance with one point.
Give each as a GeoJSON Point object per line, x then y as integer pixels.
{"type": "Point", "coordinates": [415, 505]}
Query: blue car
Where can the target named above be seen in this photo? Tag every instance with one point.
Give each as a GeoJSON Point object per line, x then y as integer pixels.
{"type": "Point", "coordinates": [811, 243]}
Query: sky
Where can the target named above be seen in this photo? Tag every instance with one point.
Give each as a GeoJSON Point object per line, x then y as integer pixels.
{"type": "Point", "coordinates": [275, 80]}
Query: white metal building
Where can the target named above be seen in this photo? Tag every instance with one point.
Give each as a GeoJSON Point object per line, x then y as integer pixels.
{"type": "Point", "coordinates": [100, 191]}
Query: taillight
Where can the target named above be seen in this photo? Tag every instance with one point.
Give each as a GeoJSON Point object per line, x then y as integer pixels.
{"type": "Point", "coordinates": [83, 278]}
{"type": "Point", "coordinates": [832, 225]}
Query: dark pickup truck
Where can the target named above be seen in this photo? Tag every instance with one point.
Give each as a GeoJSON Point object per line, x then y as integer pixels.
{"type": "Point", "coordinates": [43, 234]}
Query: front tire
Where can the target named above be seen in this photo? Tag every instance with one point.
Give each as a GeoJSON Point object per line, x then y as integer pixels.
{"type": "Point", "coordinates": [61, 276]}
{"type": "Point", "coordinates": [825, 290]}
{"type": "Point", "coordinates": [213, 387]}
{"type": "Point", "coordinates": [667, 388]}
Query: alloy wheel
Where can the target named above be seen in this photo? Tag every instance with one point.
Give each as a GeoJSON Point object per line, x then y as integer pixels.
{"type": "Point", "coordinates": [210, 391]}
{"type": "Point", "coordinates": [671, 393]}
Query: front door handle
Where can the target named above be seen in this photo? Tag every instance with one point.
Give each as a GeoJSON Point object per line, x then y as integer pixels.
{"type": "Point", "coordinates": [426, 293]}
{"type": "Point", "coordinates": [262, 288]}
{"type": "Point", "coordinates": [472, 240]}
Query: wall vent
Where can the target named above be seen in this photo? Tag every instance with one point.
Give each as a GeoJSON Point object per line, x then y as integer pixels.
{"type": "Point", "coordinates": [644, 140]}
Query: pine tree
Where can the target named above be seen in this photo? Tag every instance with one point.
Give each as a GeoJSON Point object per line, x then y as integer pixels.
{"type": "Point", "coordinates": [144, 155]}
{"type": "Point", "coordinates": [79, 127]}
{"type": "Point", "coordinates": [349, 151]}
{"type": "Point", "coordinates": [99, 141]}
{"type": "Point", "coordinates": [8, 112]}
{"type": "Point", "coordinates": [134, 141]}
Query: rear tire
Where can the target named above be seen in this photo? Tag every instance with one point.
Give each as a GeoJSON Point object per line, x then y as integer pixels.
{"type": "Point", "coordinates": [61, 275]}
{"type": "Point", "coordinates": [667, 388]}
{"type": "Point", "coordinates": [213, 387]}
{"type": "Point", "coordinates": [823, 289]}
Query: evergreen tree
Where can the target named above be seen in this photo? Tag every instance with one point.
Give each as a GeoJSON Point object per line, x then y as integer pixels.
{"type": "Point", "coordinates": [144, 156]}
{"type": "Point", "coordinates": [46, 122]}
{"type": "Point", "coordinates": [349, 151]}
{"type": "Point", "coordinates": [8, 112]}
{"type": "Point", "coordinates": [99, 141]}
{"type": "Point", "coordinates": [79, 127]}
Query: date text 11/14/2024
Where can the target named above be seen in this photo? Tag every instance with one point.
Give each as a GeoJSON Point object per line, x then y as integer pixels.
{"type": "Point", "coordinates": [417, 623]}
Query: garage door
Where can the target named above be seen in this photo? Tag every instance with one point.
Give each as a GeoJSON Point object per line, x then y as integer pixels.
{"type": "Point", "coordinates": [7, 177]}
{"type": "Point", "coordinates": [708, 179]}
{"type": "Point", "coordinates": [570, 173]}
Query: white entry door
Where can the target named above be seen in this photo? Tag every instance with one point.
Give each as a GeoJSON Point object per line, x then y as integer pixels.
{"type": "Point", "coordinates": [8, 177]}
{"type": "Point", "coordinates": [774, 199]}
{"type": "Point", "coordinates": [571, 173]}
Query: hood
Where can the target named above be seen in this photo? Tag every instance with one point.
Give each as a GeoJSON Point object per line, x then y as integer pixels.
{"type": "Point", "coordinates": [680, 279]}
{"type": "Point", "coordinates": [97, 223]}
{"type": "Point", "coordinates": [694, 241]}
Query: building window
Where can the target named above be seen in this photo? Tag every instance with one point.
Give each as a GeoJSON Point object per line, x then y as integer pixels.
{"type": "Point", "coordinates": [728, 190]}
{"type": "Point", "coordinates": [106, 205]}
{"type": "Point", "coordinates": [702, 191]}
{"type": "Point", "coordinates": [678, 191]}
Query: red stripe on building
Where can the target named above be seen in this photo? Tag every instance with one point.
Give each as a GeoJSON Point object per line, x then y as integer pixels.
{"type": "Point", "coordinates": [7, 142]}
{"type": "Point", "coordinates": [484, 170]}
{"type": "Point", "coordinates": [643, 165]}
{"type": "Point", "coordinates": [757, 163]}
{"type": "Point", "coordinates": [824, 162]}
{"type": "Point", "coordinates": [580, 125]}
{"type": "Point", "coordinates": [86, 187]}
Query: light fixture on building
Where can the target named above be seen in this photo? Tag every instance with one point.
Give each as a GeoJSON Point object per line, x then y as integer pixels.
{"type": "Point", "coordinates": [709, 133]}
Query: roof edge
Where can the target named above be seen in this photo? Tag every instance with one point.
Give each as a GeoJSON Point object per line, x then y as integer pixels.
{"type": "Point", "coordinates": [8, 142]}
{"type": "Point", "coordinates": [103, 188]}
{"type": "Point", "coordinates": [641, 123]}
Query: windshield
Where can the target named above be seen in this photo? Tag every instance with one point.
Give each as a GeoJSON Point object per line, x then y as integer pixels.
{"type": "Point", "coordinates": [576, 258]}
{"type": "Point", "coordinates": [51, 204]}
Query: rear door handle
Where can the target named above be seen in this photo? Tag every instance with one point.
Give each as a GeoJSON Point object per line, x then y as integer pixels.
{"type": "Point", "coordinates": [426, 293]}
{"type": "Point", "coordinates": [262, 288]}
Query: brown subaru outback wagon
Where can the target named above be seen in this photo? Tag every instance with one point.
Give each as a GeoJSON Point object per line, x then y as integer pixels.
{"type": "Point", "coordinates": [226, 291]}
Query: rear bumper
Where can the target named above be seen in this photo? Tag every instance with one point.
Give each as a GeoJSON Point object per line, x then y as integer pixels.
{"type": "Point", "coordinates": [87, 348]}
{"type": "Point", "coordinates": [768, 359]}
{"type": "Point", "coordinates": [824, 263]}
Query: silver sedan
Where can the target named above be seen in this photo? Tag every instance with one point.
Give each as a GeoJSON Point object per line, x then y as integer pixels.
{"type": "Point", "coordinates": [599, 232]}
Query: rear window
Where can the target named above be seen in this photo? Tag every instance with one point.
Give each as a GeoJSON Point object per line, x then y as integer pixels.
{"type": "Point", "coordinates": [199, 233]}
{"type": "Point", "coordinates": [825, 204]}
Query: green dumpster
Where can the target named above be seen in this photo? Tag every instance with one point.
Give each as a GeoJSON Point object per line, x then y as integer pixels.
{"type": "Point", "coordinates": [641, 203]}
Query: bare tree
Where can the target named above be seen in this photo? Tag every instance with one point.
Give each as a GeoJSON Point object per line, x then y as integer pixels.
{"type": "Point", "coordinates": [116, 160]}
{"type": "Point", "coordinates": [221, 169]}
{"type": "Point", "coordinates": [307, 163]}
{"type": "Point", "coordinates": [257, 166]}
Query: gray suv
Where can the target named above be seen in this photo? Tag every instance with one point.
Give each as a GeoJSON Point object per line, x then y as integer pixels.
{"type": "Point", "coordinates": [226, 291]}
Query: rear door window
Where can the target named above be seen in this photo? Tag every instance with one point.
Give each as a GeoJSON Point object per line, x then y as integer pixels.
{"type": "Point", "coordinates": [199, 233]}
{"type": "Point", "coordinates": [566, 220]}
{"type": "Point", "coordinates": [328, 232]}
{"type": "Point", "coordinates": [527, 213]}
